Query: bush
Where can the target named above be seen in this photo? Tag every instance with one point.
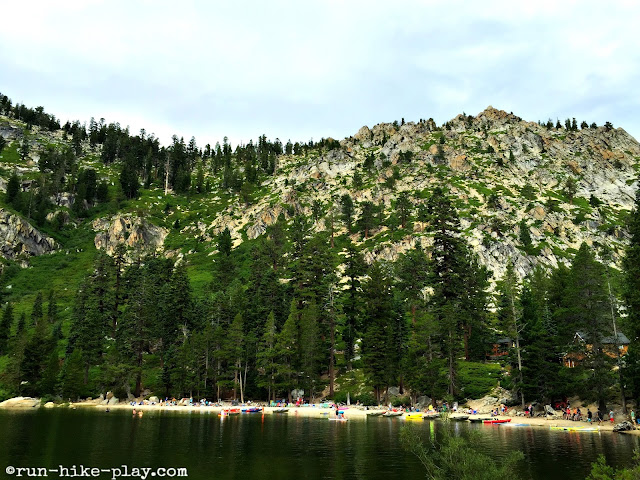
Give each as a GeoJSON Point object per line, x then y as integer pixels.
{"type": "Point", "coordinates": [366, 399]}
{"type": "Point", "coordinates": [399, 401]}
{"type": "Point", "coordinates": [478, 379]}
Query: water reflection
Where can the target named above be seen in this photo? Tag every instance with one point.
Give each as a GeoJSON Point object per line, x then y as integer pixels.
{"type": "Point", "coordinates": [278, 446]}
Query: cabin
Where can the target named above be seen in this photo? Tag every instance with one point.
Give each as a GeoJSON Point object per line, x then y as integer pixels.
{"type": "Point", "coordinates": [614, 346]}
{"type": "Point", "coordinates": [500, 348]}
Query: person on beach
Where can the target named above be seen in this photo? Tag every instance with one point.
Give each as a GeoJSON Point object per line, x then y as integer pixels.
{"type": "Point", "coordinates": [611, 416]}
{"type": "Point", "coordinates": [599, 415]}
{"type": "Point", "coordinates": [589, 415]}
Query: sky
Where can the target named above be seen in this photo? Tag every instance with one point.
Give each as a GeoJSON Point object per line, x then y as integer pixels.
{"type": "Point", "coordinates": [310, 69]}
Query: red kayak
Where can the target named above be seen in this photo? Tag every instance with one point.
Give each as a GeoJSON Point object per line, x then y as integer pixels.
{"type": "Point", "coordinates": [506, 420]}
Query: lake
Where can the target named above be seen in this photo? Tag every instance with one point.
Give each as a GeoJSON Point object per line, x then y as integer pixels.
{"type": "Point", "coordinates": [251, 446]}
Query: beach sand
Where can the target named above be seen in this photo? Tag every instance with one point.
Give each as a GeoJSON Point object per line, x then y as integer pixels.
{"type": "Point", "coordinates": [352, 412]}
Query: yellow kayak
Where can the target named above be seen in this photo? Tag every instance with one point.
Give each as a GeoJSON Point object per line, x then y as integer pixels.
{"type": "Point", "coordinates": [413, 416]}
{"type": "Point", "coordinates": [576, 429]}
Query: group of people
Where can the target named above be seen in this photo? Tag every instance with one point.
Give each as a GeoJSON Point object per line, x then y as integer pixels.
{"type": "Point", "coordinates": [577, 416]}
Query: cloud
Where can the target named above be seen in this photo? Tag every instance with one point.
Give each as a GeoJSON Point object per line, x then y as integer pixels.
{"type": "Point", "coordinates": [315, 69]}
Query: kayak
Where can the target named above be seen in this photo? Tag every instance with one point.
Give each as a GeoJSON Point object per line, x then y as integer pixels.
{"type": "Point", "coordinates": [576, 429]}
{"type": "Point", "coordinates": [495, 422]}
{"type": "Point", "coordinates": [392, 414]}
{"type": "Point", "coordinates": [460, 418]}
{"type": "Point", "coordinates": [251, 410]}
{"type": "Point", "coordinates": [280, 410]}
{"type": "Point", "coordinates": [514, 424]}
{"type": "Point", "coordinates": [229, 411]}
{"type": "Point", "coordinates": [413, 416]}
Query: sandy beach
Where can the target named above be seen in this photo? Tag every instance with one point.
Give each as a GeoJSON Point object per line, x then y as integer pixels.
{"type": "Point", "coordinates": [359, 413]}
{"type": "Point", "coordinates": [352, 412]}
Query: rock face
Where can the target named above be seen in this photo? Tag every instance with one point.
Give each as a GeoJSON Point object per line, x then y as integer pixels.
{"type": "Point", "coordinates": [20, 240]}
{"type": "Point", "coordinates": [134, 232]}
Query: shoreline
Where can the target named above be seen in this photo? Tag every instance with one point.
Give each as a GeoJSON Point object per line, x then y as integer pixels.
{"type": "Point", "coordinates": [350, 412]}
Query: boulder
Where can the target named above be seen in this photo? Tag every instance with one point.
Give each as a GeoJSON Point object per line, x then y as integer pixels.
{"type": "Point", "coordinates": [20, 402]}
{"type": "Point", "coordinates": [113, 401]}
{"type": "Point", "coordinates": [623, 427]}
{"type": "Point", "coordinates": [154, 399]}
{"type": "Point", "coordinates": [49, 405]}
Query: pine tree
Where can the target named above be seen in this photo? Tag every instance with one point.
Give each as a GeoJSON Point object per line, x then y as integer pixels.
{"type": "Point", "coordinates": [310, 352]}
{"type": "Point", "coordinates": [5, 327]}
{"type": "Point", "coordinates": [366, 222]}
{"type": "Point", "coordinates": [24, 149]}
{"type": "Point", "coordinates": [541, 370]}
{"type": "Point", "coordinates": [403, 208]}
{"type": "Point", "coordinates": [631, 295]}
{"type": "Point", "coordinates": [36, 312]}
{"type": "Point", "coordinates": [347, 211]}
{"type": "Point", "coordinates": [412, 273]}
{"type": "Point", "coordinates": [71, 376]}
{"type": "Point", "coordinates": [352, 300]}
{"type": "Point", "coordinates": [377, 338]}
{"type": "Point", "coordinates": [266, 361]}
{"type": "Point", "coordinates": [589, 305]}
{"type": "Point", "coordinates": [235, 353]}
{"type": "Point", "coordinates": [525, 235]}
{"type": "Point", "coordinates": [509, 314]}
{"type": "Point", "coordinates": [286, 348]}
{"type": "Point", "coordinates": [52, 308]}
{"type": "Point", "coordinates": [13, 189]}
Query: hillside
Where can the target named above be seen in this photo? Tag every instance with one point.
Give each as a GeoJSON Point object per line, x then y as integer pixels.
{"type": "Point", "coordinates": [226, 254]}
{"type": "Point", "coordinates": [504, 173]}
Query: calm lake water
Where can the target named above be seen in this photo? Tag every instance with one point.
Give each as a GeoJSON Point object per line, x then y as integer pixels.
{"type": "Point", "coordinates": [274, 447]}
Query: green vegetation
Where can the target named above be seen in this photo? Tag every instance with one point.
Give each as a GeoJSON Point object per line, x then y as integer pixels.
{"type": "Point", "coordinates": [297, 307]}
{"type": "Point", "coordinates": [449, 456]}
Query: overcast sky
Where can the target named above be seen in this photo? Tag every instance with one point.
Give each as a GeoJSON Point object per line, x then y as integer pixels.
{"type": "Point", "coordinates": [302, 69]}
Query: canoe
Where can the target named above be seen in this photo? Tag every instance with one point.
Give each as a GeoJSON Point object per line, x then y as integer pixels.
{"type": "Point", "coordinates": [460, 418]}
{"type": "Point", "coordinates": [478, 419]}
{"type": "Point", "coordinates": [280, 410]}
{"type": "Point", "coordinates": [575, 429]}
{"type": "Point", "coordinates": [375, 414]}
{"type": "Point", "coordinates": [495, 422]}
{"type": "Point", "coordinates": [431, 416]}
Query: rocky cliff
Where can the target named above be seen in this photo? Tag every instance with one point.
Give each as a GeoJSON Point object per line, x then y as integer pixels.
{"type": "Point", "coordinates": [20, 240]}
{"type": "Point", "coordinates": [567, 186]}
{"type": "Point", "coordinates": [134, 232]}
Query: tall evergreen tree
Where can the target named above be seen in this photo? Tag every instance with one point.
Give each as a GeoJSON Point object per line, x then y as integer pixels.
{"type": "Point", "coordinates": [589, 306]}
{"type": "Point", "coordinates": [347, 211]}
{"type": "Point", "coordinates": [267, 361]}
{"type": "Point", "coordinates": [5, 327]}
{"type": "Point", "coordinates": [509, 314]}
{"type": "Point", "coordinates": [377, 337]}
{"type": "Point", "coordinates": [631, 294]}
